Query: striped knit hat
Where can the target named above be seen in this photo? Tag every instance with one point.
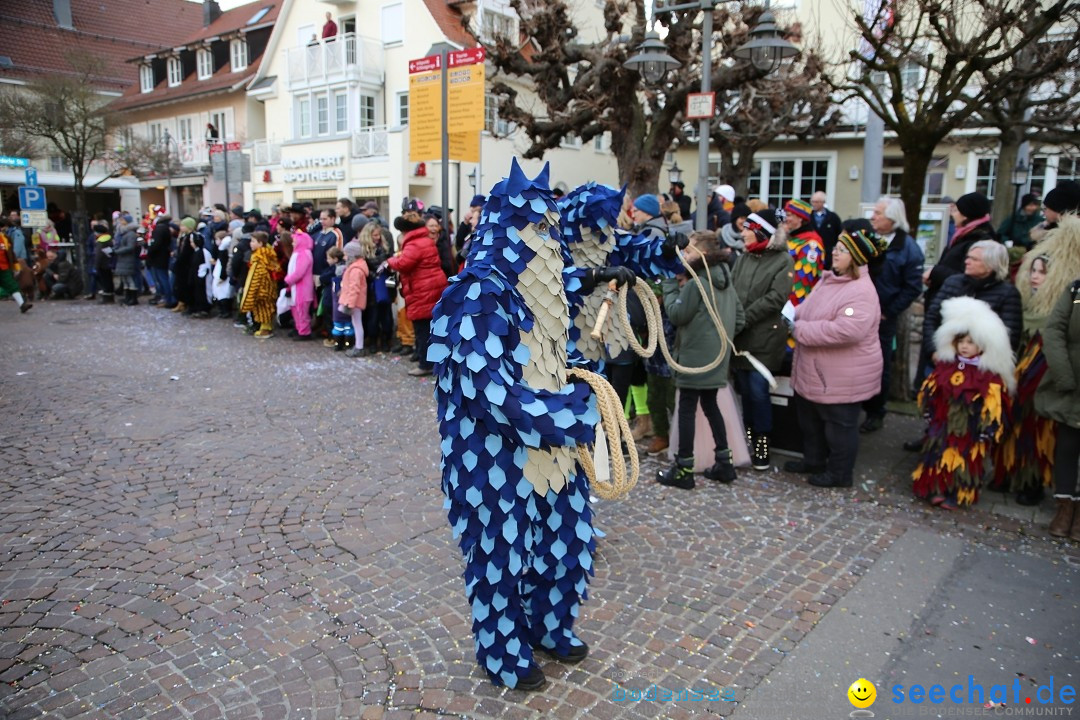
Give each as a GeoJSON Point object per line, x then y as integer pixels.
{"type": "Point", "coordinates": [801, 208]}
{"type": "Point", "coordinates": [861, 241]}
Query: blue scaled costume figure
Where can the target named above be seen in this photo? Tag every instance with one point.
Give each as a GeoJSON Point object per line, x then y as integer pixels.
{"type": "Point", "coordinates": [511, 423]}
{"type": "Point", "coordinates": [594, 241]}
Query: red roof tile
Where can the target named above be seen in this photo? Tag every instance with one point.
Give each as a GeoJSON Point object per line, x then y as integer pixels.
{"type": "Point", "coordinates": [222, 80]}
{"type": "Point", "coordinates": [38, 47]}
{"type": "Point", "coordinates": [236, 19]}
{"type": "Point", "coordinates": [449, 21]}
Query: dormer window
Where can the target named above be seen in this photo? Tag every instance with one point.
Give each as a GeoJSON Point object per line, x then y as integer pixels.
{"type": "Point", "coordinates": [204, 60]}
{"type": "Point", "coordinates": [239, 53]}
{"type": "Point", "coordinates": [176, 72]}
{"type": "Point", "coordinates": [146, 78]}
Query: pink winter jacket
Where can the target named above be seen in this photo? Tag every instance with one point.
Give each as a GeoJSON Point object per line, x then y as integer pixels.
{"type": "Point", "coordinates": [354, 285]}
{"type": "Point", "coordinates": [299, 280]}
{"type": "Point", "coordinates": [837, 352]}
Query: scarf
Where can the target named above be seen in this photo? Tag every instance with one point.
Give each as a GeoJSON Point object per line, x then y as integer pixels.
{"type": "Point", "coordinates": [968, 227]}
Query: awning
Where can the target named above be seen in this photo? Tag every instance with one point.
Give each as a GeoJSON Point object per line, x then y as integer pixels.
{"type": "Point", "coordinates": [315, 193]}
{"type": "Point", "coordinates": [266, 200]}
{"type": "Point", "coordinates": [369, 192]}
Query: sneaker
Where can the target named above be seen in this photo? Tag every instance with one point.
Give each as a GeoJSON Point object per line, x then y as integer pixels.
{"type": "Point", "coordinates": [354, 352]}
{"type": "Point", "coordinates": [329, 342]}
{"type": "Point", "coordinates": [679, 475]}
{"type": "Point", "coordinates": [574, 655]}
{"type": "Point", "coordinates": [721, 472]}
{"type": "Point", "coordinates": [801, 468]}
{"type": "Point", "coordinates": [824, 481]}
{"type": "Point", "coordinates": [948, 504]}
{"type": "Point", "coordinates": [873, 423]}
{"type": "Point", "coordinates": [534, 680]}
{"type": "Point", "coordinates": [25, 306]}
{"type": "Point", "coordinates": [658, 445]}
{"type": "Point", "coordinates": [264, 334]}
{"type": "Point", "coordinates": [759, 452]}
{"type": "Point", "coordinates": [420, 372]}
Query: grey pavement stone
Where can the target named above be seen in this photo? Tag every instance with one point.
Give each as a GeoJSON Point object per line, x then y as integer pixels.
{"type": "Point", "coordinates": [264, 537]}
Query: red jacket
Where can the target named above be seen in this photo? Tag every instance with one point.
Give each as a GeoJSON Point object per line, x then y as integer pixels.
{"type": "Point", "coordinates": [422, 276]}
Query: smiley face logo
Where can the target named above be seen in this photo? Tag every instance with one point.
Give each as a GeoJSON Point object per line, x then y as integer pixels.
{"type": "Point", "coordinates": [862, 693]}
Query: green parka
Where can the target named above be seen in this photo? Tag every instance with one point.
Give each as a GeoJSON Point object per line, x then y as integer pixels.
{"type": "Point", "coordinates": [697, 342]}
{"type": "Point", "coordinates": [762, 281]}
{"type": "Point", "coordinates": [1058, 395]}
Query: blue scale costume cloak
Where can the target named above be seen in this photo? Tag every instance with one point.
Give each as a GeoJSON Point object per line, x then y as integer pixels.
{"type": "Point", "coordinates": [593, 239]}
{"type": "Point", "coordinates": [511, 423]}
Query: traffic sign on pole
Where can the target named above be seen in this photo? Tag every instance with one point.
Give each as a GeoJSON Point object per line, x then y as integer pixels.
{"type": "Point", "coordinates": [32, 198]}
{"type": "Point", "coordinates": [31, 177]}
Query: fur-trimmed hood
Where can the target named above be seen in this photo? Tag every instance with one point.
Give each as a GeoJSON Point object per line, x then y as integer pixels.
{"type": "Point", "coordinates": [966, 315]}
{"type": "Point", "coordinates": [1061, 248]}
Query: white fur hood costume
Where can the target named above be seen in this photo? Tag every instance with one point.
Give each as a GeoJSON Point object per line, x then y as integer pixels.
{"type": "Point", "coordinates": [966, 315]}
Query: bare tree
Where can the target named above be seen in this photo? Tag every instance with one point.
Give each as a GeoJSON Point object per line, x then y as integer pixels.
{"type": "Point", "coordinates": [583, 90]}
{"type": "Point", "coordinates": [923, 71]}
{"type": "Point", "coordinates": [794, 102]}
{"type": "Point", "coordinates": [65, 114]}
{"type": "Point", "coordinates": [1034, 98]}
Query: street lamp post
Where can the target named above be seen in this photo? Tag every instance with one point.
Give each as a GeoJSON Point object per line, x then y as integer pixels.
{"type": "Point", "coordinates": [168, 168]}
{"type": "Point", "coordinates": [674, 175]}
{"type": "Point", "coordinates": [765, 49]}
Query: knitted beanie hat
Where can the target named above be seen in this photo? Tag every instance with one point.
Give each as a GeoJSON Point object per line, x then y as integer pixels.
{"type": "Point", "coordinates": [860, 240]}
{"type": "Point", "coordinates": [800, 208]}
{"type": "Point", "coordinates": [763, 224]}
{"type": "Point", "coordinates": [973, 205]}
{"type": "Point", "coordinates": [1064, 198]}
{"type": "Point", "coordinates": [353, 250]}
{"type": "Point", "coordinates": [648, 204]}
{"type": "Point", "coordinates": [188, 223]}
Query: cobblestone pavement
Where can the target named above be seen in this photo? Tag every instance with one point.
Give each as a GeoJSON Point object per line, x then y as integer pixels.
{"type": "Point", "coordinates": [195, 524]}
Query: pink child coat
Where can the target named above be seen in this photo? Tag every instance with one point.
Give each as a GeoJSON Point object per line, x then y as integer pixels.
{"type": "Point", "coordinates": [837, 352]}
{"type": "Point", "coordinates": [354, 285]}
{"type": "Point", "coordinates": [299, 279]}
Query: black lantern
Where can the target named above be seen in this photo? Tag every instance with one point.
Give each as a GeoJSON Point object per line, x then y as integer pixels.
{"type": "Point", "coordinates": [674, 175]}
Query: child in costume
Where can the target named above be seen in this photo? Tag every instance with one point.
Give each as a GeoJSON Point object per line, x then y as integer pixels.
{"type": "Point", "coordinates": [103, 264]}
{"type": "Point", "coordinates": [352, 298]}
{"type": "Point", "coordinates": [511, 422]}
{"type": "Point", "coordinates": [260, 288]}
{"type": "Point", "coordinates": [965, 401]}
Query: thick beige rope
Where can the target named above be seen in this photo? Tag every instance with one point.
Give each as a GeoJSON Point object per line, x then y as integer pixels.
{"type": "Point", "coordinates": [617, 431]}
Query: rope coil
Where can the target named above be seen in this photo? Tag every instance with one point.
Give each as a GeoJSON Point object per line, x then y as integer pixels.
{"type": "Point", "coordinates": [617, 432]}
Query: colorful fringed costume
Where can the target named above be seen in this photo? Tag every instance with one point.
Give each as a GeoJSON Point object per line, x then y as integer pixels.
{"type": "Point", "coordinates": [511, 424]}
{"type": "Point", "coordinates": [591, 235]}
{"type": "Point", "coordinates": [1024, 459]}
{"type": "Point", "coordinates": [965, 402]}
{"type": "Point", "coordinates": [808, 252]}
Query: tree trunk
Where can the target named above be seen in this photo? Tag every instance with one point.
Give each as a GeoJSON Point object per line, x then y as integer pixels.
{"type": "Point", "coordinates": [638, 162]}
{"type": "Point", "coordinates": [916, 161]}
{"type": "Point", "coordinates": [1004, 203]}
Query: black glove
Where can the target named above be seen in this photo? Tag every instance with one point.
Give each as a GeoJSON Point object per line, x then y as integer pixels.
{"type": "Point", "coordinates": [621, 275]}
{"type": "Point", "coordinates": [672, 241]}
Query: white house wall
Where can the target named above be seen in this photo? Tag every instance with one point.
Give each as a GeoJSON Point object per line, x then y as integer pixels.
{"type": "Point", "coordinates": [389, 176]}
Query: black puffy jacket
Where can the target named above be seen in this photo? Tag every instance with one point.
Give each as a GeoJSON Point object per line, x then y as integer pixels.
{"type": "Point", "coordinates": [952, 259]}
{"type": "Point", "coordinates": [157, 255]}
{"type": "Point", "coordinates": [1003, 299]}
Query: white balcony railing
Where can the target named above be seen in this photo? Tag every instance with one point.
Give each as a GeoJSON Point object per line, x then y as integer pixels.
{"type": "Point", "coordinates": [346, 56]}
{"type": "Point", "coordinates": [370, 142]}
{"type": "Point", "coordinates": [266, 152]}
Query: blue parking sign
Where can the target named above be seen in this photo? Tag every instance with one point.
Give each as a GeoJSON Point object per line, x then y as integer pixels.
{"type": "Point", "coordinates": [31, 198]}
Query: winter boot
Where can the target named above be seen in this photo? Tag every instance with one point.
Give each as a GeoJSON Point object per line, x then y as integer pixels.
{"type": "Point", "coordinates": [642, 428]}
{"type": "Point", "coordinates": [1074, 534]}
{"type": "Point", "coordinates": [180, 307]}
{"type": "Point", "coordinates": [759, 452]}
{"type": "Point", "coordinates": [680, 475]}
{"type": "Point", "coordinates": [722, 471]}
{"type": "Point", "coordinates": [107, 299]}
{"type": "Point", "coordinates": [131, 297]}
{"type": "Point", "coordinates": [1064, 518]}
{"type": "Point", "coordinates": [339, 343]}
